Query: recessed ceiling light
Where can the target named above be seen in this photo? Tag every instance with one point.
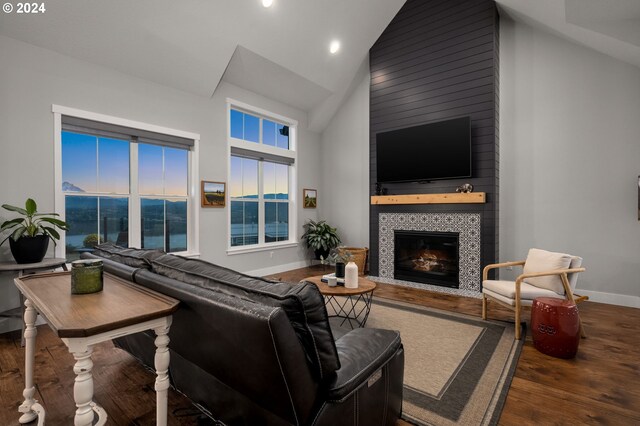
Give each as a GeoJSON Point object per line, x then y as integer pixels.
{"type": "Point", "coordinates": [334, 46]}
{"type": "Point", "coordinates": [267, 3]}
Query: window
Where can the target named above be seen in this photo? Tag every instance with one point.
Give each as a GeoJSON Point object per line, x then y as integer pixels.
{"type": "Point", "coordinates": [163, 188]}
{"type": "Point", "coordinates": [261, 179]}
{"type": "Point", "coordinates": [125, 186]}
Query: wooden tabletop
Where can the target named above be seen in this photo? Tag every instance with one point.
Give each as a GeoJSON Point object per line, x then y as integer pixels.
{"type": "Point", "coordinates": [120, 304]}
{"type": "Point", "coordinates": [47, 263]}
{"type": "Point", "coordinates": [364, 286]}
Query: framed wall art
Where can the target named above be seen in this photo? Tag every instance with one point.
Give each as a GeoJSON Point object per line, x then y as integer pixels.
{"type": "Point", "coordinates": [213, 194]}
{"type": "Point", "coordinates": [310, 198]}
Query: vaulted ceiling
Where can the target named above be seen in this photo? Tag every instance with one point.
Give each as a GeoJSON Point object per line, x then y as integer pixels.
{"type": "Point", "coordinates": [189, 44]}
{"type": "Point", "coordinates": [611, 27]}
{"type": "Point", "coordinates": [280, 52]}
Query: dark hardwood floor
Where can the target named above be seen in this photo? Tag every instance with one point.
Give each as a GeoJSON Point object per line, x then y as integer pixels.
{"type": "Point", "coordinates": [600, 386]}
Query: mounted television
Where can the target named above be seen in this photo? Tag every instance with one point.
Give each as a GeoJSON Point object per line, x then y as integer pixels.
{"type": "Point", "coordinates": [427, 152]}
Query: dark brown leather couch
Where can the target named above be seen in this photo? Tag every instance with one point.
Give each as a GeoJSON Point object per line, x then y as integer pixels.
{"type": "Point", "coordinates": [256, 352]}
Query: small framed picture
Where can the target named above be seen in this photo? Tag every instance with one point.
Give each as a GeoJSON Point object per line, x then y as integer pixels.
{"type": "Point", "coordinates": [310, 198]}
{"type": "Point", "coordinates": [213, 194]}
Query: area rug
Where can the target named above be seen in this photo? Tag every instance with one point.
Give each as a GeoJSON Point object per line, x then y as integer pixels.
{"type": "Point", "coordinates": [458, 368]}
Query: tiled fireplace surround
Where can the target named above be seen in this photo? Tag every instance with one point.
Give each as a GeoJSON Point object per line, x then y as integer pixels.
{"type": "Point", "coordinates": [467, 225]}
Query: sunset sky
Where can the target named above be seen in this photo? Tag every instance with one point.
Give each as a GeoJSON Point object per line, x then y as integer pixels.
{"type": "Point", "coordinates": [102, 165]}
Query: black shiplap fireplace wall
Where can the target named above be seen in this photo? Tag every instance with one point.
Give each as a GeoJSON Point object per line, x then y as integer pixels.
{"type": "Point", "coordinates": [438, 59]}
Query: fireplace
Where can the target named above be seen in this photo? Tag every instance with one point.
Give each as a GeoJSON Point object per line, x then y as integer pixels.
{"type": "Point", "coordinates": [427, 257]}
{"type": "Point", "coordinates": [466, 226]}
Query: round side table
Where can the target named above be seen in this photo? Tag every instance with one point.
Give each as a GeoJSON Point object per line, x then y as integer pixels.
{"type": "Point", "coordinates": [352, 305]}
{"type": "Point", "coordinates": [555, 326]}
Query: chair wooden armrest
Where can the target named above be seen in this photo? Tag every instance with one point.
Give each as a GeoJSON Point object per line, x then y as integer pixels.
{"type": "Point", "coordinates": [485, 271]}
{"type": "Point", "coordinates": [563, 276]}
{"type": "Point", "coordinates": [546, 273]}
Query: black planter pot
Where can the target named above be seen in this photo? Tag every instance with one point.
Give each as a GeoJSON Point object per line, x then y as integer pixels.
{"type": "Point", "coordinates": [339, 270]}
{"type": "Point", "coordinates": [29, 249]}
{"type": "Point", "coordinates": [321, 252]}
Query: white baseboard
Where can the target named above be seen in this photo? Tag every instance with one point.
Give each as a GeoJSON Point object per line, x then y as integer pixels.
{"type": "Point", "coordinates": [610, 298]}
{"type": "Point", "coordinates": [278, 268]}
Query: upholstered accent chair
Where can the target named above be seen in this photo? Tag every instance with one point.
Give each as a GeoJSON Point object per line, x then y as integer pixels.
{"type": "Point", "coordinates": [545, 274]}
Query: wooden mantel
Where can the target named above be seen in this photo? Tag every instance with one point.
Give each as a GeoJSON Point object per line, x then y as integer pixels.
{"type": "Point", "coordinates": [451, 198]}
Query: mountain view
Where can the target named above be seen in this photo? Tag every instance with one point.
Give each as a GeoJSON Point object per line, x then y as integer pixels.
{"type": "Point", "coordinates": [69, 187]}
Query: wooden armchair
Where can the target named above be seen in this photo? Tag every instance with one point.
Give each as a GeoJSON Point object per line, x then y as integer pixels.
{"type": "Point", "coordinates": [557, 282]}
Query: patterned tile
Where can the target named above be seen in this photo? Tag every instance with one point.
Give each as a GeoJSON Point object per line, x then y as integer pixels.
{"type": "Point", "coordinates": [467, 225]}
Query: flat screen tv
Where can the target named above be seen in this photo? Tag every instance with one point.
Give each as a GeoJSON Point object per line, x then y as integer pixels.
{"type": "Point", "coordinates": [433, 151]}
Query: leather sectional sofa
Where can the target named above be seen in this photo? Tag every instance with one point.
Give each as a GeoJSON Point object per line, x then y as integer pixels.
{"type": "Point", "coordinates": [256, 352]}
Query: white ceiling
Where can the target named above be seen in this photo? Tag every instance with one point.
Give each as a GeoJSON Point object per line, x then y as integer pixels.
{"type": "Point", "coordinates": [609, 26]}
{"type": "Point", "coordinates": [260, 75]}
{"type": "Point", "coordinates": [280, 52]}
{"type": "Point", "coordinates": [187, 44]}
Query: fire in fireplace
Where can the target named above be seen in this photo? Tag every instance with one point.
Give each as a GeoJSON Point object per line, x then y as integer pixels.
{"type": "Point", "coordinates": [427, 257]}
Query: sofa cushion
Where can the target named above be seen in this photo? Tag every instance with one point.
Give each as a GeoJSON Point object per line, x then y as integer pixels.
{"type": "Point", "coordinates": [542, 261]}
{"type": "Point", "coordinates": [303, 303]}
{"type": "Point", "coordinates": [136, 258]}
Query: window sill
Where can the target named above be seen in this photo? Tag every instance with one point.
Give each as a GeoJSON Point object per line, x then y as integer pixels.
{"type": "Point", "coordinates": [257, 248]}
{"type": "Point", "coordinates": [191, 255]}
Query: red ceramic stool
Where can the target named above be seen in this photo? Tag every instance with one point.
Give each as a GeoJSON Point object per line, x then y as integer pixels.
{"type": "Point", "coordinates": [555, 326]}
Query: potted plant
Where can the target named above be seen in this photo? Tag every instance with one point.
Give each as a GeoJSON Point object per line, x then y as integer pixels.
{"type": "Point", "coordinates": [30, 234]}
{"type": "Point", "coordinates": [320, 237]}
{"type": "Point", "coordinates": [339, 257]}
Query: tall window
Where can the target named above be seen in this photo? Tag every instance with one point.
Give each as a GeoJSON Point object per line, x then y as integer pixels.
{"type": "Point", "coordinates": [261, 170]}
{"type": "Point", "coordinates": [95, 181]}
{"type": "Point", "coordinates": [123, 186]}
{"type": "Point", "coordinates": [163, 187]}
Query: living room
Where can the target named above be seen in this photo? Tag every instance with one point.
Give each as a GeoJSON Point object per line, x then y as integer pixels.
{"type": "Point", "coordinates": [552, 89]}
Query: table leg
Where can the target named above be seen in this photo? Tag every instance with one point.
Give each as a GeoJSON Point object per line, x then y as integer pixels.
{"type": "Point", "coordinates": [21, 273]}
{"type": "Point", "coordinates": [368, 298]}
{"type": "Point", "coordinates": [161, 362]}
{"type": "Point", "coordinates": [22, 302]}
{"type": "Point", "coordinates": [22, 342]}
{"type": "Point", "coordinates": [83, 387]}
{"type": "Point", "coordinates": [30, 407]}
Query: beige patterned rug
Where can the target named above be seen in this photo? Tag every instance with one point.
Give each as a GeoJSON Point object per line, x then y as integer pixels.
{"type": "Point", "coordinates": [458, 368]}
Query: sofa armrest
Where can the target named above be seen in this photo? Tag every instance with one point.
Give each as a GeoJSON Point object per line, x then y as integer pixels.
{"type": "Point", "coordinates": [362, 352]}
{"type": "Point", "coordinates": [114, 268]}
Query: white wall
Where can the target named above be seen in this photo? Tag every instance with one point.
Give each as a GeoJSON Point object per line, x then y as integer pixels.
{"type": "Point", "coordinates": [570, 158]}
{"type": "Point", "coordinates": [32, 79]}
{"type": "Point", "coordinates": [213, 165]}
{"type": "Point", "coordinates": [344, 197]}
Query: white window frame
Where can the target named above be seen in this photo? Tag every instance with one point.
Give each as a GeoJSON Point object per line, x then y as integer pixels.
{"type": "Point", "coordinates": [259, 147]}
{"type": "Point", "coordinates": [193, 220]}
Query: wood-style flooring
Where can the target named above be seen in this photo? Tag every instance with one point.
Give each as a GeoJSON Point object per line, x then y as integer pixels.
{"type": "Point", "coordinates": [601, 386]}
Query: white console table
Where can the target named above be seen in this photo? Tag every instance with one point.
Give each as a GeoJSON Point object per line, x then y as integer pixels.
{"type": "Point", "coordinates": [83, 320]}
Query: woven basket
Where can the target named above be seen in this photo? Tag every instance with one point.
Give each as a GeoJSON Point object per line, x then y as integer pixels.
{"type": "Point", "coordinates": [358, 256]}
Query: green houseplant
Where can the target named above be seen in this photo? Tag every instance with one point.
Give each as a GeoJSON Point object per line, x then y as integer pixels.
{"type": "Point", "coordinates": [320, 237]}
{"type": "Point", "coordinates": [30, 234]}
